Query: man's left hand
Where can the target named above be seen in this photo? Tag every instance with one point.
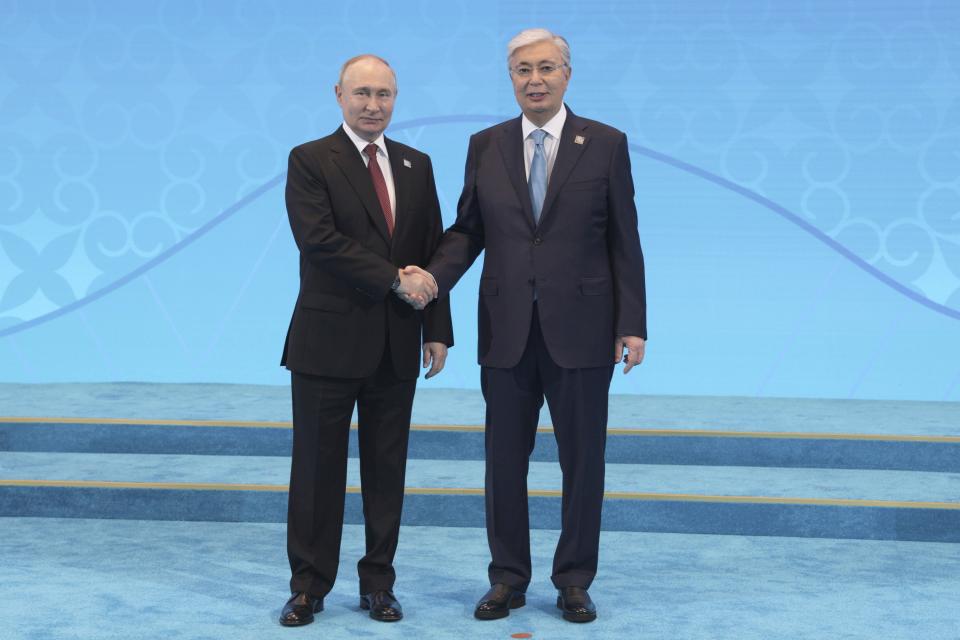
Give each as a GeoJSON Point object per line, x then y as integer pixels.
{"type": "Point", "coordinates": [434, 356]}
{"type": "Point", "coordinates": [635, 348]}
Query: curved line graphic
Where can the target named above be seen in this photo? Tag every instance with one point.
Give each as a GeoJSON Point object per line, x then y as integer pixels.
{"type": "Point", "coordinates": [210, 224]}
{"type": "Point", "coordinates": [489, 119]}
{"type": "Point", "coordinates": [149, 264]}
{"type": "Point", "coordinates": [803, 224]}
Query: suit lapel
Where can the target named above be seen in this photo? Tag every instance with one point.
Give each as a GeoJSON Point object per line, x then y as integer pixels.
{"type": "Point", "coordinates": [346, 156]}
{"type": "Point", "coordinates": [511, 147]}
{"type": "Point", "coordinates": [573, 141]}
{"type": "Point", "coordinates": [401, 185]}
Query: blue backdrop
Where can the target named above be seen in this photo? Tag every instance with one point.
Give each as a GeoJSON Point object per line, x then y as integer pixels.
{"type": "Point", "coordinates": [797, 169]}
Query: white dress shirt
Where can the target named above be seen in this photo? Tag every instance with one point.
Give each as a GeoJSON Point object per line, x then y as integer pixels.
{"type": "Point", "coordinates": [551, 141]}
{"type": "Point", "coordinates": [382, 159]}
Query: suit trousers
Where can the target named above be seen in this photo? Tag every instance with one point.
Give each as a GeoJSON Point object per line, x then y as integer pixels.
{"type": "Point", "coordinates": [322, 408]}
{"type": "Point", "coordinates": [577, 400]}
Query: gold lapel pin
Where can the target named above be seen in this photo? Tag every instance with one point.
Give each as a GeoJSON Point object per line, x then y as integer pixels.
{"type": "Point", "coordinates": [578, 140]}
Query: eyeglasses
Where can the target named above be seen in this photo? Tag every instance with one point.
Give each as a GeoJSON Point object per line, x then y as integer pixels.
{"type": "Point", "coordinates": [525, 70]}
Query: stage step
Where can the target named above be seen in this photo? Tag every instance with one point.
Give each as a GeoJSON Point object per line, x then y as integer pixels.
{"type": "Point", "coordinates": [867, 504]}
{"type": "Point", "coordinates": [236, 402]}
{"type": "Point", "coordinates": [772, 467]}
{"type": "Point", "coordinates": [636, 445]}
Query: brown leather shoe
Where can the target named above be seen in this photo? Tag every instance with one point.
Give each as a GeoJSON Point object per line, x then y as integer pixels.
{"type": "Point", "coordinates": [299, 609]}
{"type": "Point", "coordinates": [497, 602]}
{"type": "Point", "coordinates": [383, 606]}
{"type": "Point", "coordinates": [576, 604]}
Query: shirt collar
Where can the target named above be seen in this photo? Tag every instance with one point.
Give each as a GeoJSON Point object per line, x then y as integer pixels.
{"type": "Point", "coordinates": [554, 125]}
{"type": "Point", "coordinates": [361, 144]}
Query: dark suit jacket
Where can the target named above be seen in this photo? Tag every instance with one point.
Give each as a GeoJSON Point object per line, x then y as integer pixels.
{"type": "Point", "coordinates": [345, 309]}
{"type": "Point", "coordinates": [583, 257]}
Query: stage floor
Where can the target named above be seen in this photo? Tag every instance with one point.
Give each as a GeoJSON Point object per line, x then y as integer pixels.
{"type": "Point", "coordinates": [125, 579]}
{"type": "Point", "coordinates": [725, 518]}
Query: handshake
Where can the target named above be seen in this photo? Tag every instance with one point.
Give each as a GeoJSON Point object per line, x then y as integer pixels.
{"type": "Point", "coordinates": [417, 287]}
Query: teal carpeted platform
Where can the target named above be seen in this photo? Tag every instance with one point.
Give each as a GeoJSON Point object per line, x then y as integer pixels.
{"type": "Point", "coordinates": [129, 580]}
{"type": "Point", "coordinates": [457, 406]}
{"type": "Point", "coordinates": [636, 445]}
{"type": "Point", "coordinates": [178, 521]}
{"type": "Point", "coordinates": [916, 486]}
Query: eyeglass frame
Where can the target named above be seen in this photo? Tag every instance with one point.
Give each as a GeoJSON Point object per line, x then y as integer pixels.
{"type": "Point", "coordinates": [554, 69]}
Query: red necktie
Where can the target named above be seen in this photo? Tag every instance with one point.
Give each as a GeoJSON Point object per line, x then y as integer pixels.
{"type": "Point", "coordinates": [380, 185]}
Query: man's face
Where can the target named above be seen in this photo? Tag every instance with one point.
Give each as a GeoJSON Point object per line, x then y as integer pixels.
{"type": "Point", "coordinates": [366, 97]}
{"type": "Point", "coordinates": [539, 95]}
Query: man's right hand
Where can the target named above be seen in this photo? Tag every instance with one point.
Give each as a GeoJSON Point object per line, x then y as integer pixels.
{"type": "Point", "coordinates": [417, 287]}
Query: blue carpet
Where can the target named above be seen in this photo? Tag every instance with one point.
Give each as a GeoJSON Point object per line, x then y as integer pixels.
{"type": "Point", "coordinates": [664, 515]}
{"type": "Point", "coordinates": [142, 571]}
{"type": "Point", "coordinates": [459, 474]}
{"type": "Point", "coordinates": [127, 580]}
{"type": "Point", "coordinates": [456, 406]}
{"type": "Point", "coordinates": [706, 450]}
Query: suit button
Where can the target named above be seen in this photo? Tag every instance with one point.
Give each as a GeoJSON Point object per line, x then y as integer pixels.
{"type": "Point", "coordinates": [537, 241]}
{"type": "Point", "coordinates": [531, 281]}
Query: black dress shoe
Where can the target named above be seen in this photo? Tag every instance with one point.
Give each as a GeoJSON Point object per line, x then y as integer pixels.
{"type": "Point", "coordinates": [299, 609]}
{"type": "Point", "coordinates": [383, 606]}
{"type": "Point", "coordinates": [576, 604]}
{"type": "Point", "coordinates": [497, 602]}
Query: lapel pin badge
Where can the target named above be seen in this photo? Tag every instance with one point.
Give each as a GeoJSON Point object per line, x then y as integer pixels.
{"type": "Point", "coordinates": [407, 164]}
{"type": "Point", "coordinates": [578, 140]}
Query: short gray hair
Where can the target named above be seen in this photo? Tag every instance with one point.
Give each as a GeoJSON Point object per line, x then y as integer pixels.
{"type": "Point", "coordinates": [365, 56]}
{"type": "Point", "coordinates": [533, 36]}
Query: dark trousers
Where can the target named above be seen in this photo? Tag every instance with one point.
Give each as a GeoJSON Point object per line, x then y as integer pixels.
{"type": "Point", "coordinates": [577, 399]}
{"type": "Point", "coordinates": [322, 408]}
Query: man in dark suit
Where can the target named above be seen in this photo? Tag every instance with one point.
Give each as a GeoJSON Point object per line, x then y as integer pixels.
{"type": "Point", "coordinates": [359, 205]}
{"type": "Point", "coordinates": [549, 195]}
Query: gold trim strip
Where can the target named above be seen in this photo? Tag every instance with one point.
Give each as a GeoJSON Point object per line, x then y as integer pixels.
{"type": "Point", "coordinates": [615, 431]}
{"type": "Point", "coordinates": [538, 493]}
{"type": "Point", "coordinates": [783, 435]}
{"type": "Point", "coordinates": [114, 484]}
{"type": "Point", "coordinates": [143, 422]}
